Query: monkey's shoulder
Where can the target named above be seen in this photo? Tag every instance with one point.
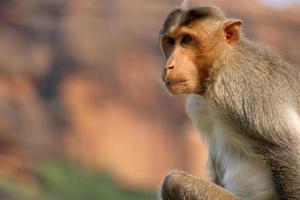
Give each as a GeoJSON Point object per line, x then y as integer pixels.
{"type": "Point", "coordinates": [259, 76]}
{"type": "Point", "coordinates": [261, 61]}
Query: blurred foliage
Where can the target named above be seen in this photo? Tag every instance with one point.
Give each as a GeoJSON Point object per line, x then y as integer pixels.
{"type": "Point", "coordinates": [68, 181]}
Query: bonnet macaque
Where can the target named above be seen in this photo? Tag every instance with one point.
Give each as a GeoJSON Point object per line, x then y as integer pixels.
{"type": "Point", "coordinates": [245, 100]}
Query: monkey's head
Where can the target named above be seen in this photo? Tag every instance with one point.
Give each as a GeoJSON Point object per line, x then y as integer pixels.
{"type": "Point", "coordinates": [192, 40]}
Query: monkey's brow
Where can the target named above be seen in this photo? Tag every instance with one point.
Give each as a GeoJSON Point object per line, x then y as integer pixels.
{"type": "Point", "coordinates": [180, 17]}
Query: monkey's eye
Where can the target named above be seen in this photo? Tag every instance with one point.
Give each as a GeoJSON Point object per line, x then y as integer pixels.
{"type": "Point", "coordinates": [171, 41]}
{"type": "Point", "coordinates": [186, 39]}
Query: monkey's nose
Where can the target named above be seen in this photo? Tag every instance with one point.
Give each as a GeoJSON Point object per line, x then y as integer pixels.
{"type": "Point", "coordinates": [169, 67]}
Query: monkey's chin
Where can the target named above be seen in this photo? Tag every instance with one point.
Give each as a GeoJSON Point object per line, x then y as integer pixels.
{"type": "Point", "coordinates": [178, 89]}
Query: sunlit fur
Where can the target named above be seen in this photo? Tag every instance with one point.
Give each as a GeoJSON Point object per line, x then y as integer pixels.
{"type": "Point", "coordinates": [292, 118]}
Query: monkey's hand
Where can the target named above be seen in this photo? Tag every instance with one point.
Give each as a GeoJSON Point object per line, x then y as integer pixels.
{"type": "Point", "coordinates": [179, 185]}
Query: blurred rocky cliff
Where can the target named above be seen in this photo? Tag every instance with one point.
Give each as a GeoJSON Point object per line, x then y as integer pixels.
{"type": "Point", "coordinates": [80, 80]}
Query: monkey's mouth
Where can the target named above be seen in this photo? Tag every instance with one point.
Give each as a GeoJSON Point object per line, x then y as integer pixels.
{"type": "Point", "coordinates": [176, 86]}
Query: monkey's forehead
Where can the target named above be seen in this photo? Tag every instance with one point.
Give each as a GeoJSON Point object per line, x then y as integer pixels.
{"type": "Point", "coordinates": [180, 17]}
{"type": "Point", "coordinates": [192, 29]}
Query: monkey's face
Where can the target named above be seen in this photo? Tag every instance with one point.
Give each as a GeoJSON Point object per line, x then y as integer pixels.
{"type": "Point", "coordinates": [189, 52]}
{"type": "Point", "coordinates": [180, 73]}
{"type": "Point", "coordinates": [191, 49]}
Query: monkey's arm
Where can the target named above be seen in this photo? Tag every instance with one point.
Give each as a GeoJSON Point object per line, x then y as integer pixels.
{"type": "Point", "coordinates": [179, 185]}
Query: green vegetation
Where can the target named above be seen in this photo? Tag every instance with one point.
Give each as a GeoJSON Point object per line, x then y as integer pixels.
{"type": "Point", "coordinates": [66, 181]}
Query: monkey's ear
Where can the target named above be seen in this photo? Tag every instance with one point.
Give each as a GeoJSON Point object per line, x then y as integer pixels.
{"type": "Point", "coordinates": [232, 31]}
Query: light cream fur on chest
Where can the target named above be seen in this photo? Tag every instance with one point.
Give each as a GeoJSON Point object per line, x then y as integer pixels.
{"type": "Point", "coordinates": [237, 169]}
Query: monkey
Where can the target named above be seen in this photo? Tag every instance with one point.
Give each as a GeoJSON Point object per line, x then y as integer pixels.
{"type": "Point", "coordinates": [245, 100]}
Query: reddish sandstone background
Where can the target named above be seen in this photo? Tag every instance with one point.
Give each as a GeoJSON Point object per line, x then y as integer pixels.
{"type": "Point", "coordinates": [79, 80]}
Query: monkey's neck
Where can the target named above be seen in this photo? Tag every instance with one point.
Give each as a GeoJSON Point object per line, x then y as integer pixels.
{"type": "Point", "coordinates": [240, 54]}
